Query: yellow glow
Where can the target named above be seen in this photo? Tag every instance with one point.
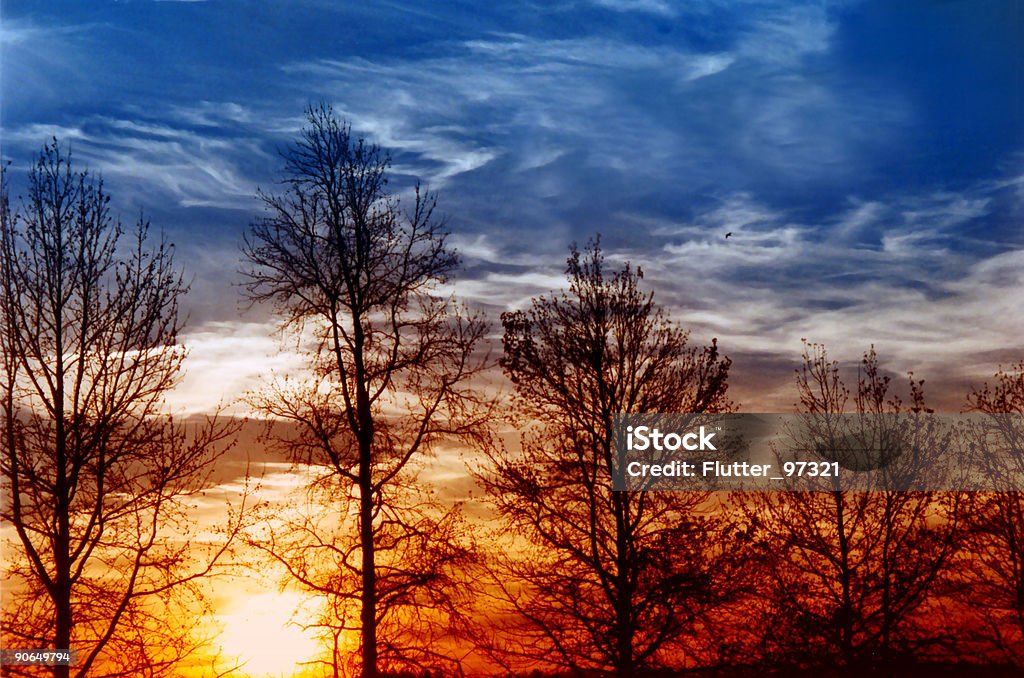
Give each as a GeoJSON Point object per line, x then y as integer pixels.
{"type": "Point", "coordinates": [263, 632]}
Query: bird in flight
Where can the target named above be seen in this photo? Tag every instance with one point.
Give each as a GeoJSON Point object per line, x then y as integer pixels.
{"type": "Point", "coordinates": [729, 234]}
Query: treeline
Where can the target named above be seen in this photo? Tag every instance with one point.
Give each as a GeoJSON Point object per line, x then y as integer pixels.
{"type": "Point", "coordinates": [569, 578]}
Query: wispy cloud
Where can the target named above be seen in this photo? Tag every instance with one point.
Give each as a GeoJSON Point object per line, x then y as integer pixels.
{"type": "Point", "coordinates": [579, 93]}
{"type": "Point", "coordinates": [227, 360]}
{"type": "Point", "coordinates": [663, 125]}
{"type": "Point", "coordinates": [901, 271]}
{"type": "Point", "coordinates": [656, 7]}
{"type": "Point", "coordinates": [162, 160]}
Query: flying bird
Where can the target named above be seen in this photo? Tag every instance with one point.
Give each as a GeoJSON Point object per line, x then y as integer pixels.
{"type": "Point", "coordinates": [729, 234]}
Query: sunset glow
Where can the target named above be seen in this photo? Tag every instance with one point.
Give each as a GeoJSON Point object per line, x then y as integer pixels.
{"type": "Point", "coordinates": [264, 635]}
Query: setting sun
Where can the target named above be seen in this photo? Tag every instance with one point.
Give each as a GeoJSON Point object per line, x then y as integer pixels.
{"type": "Point", "coordinates": [265, 635]}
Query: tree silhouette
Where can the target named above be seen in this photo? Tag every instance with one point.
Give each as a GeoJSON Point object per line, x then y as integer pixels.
{"type": "Point", "coordinates": [598, 580]}
{"type": "Point", "coordinates": [96, 479]}
{"type": "Point", "coordinates": [390, 362]}
{"type": "Point", "coordinates": [848, 573]}
{"type": "Point", "coordinates": [993, 568]}
{"type": "Point", "coordinates": [423, 553]}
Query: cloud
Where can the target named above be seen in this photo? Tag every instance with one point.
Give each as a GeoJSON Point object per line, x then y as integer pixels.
{"type": "Point", "coordinates": [155, 161]}
{"type": "Point", "coordinates": [549, 119]}
{"type": "Point", "coordinates": [597, 103]}
{"type": "Point", "coordinates": [895, 272]}
{"type": "Point", "coordinates": [787, 33]}
{"type": "Point", "coordinates": [731, 117]}
{"type": "Point", "coordinates": [225, 361]}
{"type": "Point", "coordinates": [45, 65]}
{"type": "Point", "coordinates": [885, 272]}
{"type": "Point", "coordinates": [656, 7]}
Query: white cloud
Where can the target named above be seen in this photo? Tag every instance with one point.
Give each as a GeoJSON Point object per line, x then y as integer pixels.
{"type": "Point", "coordinates": [656, 7]}
{"type": "Point", "coordinates": [789, 32]}
{"type": "Point", "coordinates": [225, 361]}
{"type": "Point", "coordinates": [192, 169]}
{"type": "Point", "coordinates": [520, 104]}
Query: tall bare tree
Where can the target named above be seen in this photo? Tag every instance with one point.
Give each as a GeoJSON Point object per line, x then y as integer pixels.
{"type": "Point", "coordinates": [96, 478]}
{"type": "Point", "coordinates": [390, 359]}
{"type": "Point", "coordinates": [849, 572]}
{"type": "Point", "coordinates": [600, 580]}
{"type": "Point", "coordinates": [993, 567]}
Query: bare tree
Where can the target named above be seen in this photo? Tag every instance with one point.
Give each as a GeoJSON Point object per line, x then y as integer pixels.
{"type": "Point", "coordinates": [598, 580]}
{"type": "Point", "coordinates": [390, 359]}
{"type": "Point", "coordinates": [97, 479]}
{"type": "Point", "coordinates": [992, 569]}
{"type": "Point", "coordinates": [849, 572]}
{"type": "Point", "coordinates": [424, 552]}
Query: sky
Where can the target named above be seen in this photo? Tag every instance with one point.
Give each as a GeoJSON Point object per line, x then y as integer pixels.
{"type": "Point", "coordinates": [867, 157]}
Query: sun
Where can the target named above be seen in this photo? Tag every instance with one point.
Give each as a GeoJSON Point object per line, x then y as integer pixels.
{"type": "Point", "coordinates": [263, 632]}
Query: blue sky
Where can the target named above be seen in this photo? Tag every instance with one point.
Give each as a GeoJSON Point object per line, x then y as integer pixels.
{"type": "Point", "coordinates": [867, 156]}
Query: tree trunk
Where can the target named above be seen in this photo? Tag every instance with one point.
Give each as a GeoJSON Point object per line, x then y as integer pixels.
{"type": "Point", "coordinates": [62, 540]}
{"type": "Point", "coordinates": [845, 577]}
{"type": "Point", "coordinates": [368, 613]}
{"type": "Point", "coordinates": [624, 631]}
{"type": "Point", "coordinates": [62, 603]}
